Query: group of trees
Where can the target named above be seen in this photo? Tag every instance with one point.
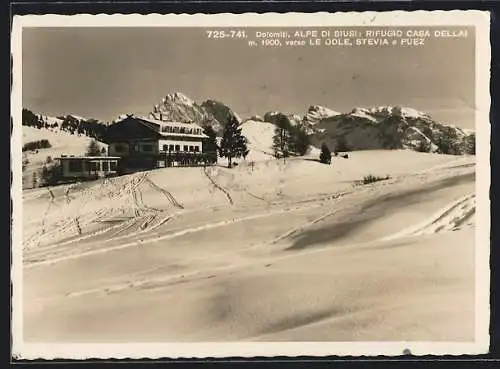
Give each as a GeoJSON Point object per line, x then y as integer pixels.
{"type": "Point", "coordinates": [90, 127]}
{"type": "Point", "coordinates": [50, 175]}
{"type": "Point", "coordinates": [31, 120]}
{"type": "Point", "coordinates": [35, 145]}
{"type": "Point", "coordinates": [289, 140]}
{"type": "Point", "coordinates": [93, 149]}
{"type": "Point", "coordinates": [450, 145]}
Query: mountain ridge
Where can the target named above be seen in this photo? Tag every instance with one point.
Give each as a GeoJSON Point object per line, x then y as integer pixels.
{"type": "Point", "coordinates": [363, 128]}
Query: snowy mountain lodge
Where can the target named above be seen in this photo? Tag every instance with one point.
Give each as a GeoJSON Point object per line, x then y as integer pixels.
{"type": "Point", "coordinates": [149, 143]}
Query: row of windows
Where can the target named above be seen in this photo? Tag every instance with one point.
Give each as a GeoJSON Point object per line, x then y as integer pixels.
{"type": "Point", "coordinates": [184, 130]}
{"type": "Point", "coordinates": [82, 166]}
{"type": "Point", "coordinates": [178, 148]}
{"type": "Point", "coordinates": [150, 148]}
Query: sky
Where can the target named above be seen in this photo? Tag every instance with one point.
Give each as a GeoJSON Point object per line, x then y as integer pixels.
{"type": "Point", "coordinates": [104, 72]}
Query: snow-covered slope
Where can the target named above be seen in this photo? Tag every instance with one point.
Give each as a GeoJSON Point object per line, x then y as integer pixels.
{"type": "Point", "coordinates": [279, 252]}
{"type": "Point", "coordinates": [63, 143]}
{"type": "Point", "coordinates": [50, 122]}
{"type": "Point", "coordinates": [260, 139]}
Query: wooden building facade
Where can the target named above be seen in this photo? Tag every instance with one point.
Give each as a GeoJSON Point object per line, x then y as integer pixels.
{"type": "Point", "coordinates": [147, 143]}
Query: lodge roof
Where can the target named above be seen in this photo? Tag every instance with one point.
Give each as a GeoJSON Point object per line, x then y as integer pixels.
{"type": "Point", "coordinates": [171, 134]}
{"type": "Point", "coordinates": [158, 125]}
{"type": "Point", "coordinates": [169, 123]}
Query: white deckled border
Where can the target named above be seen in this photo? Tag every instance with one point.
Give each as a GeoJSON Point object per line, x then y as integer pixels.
{"type": "Point", "coordinates": [478, 19]}
{"type": "Point", "coordinates": [351, 19]}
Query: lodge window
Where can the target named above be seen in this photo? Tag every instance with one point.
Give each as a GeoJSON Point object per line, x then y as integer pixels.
{"type": "Point", "coordinates": [185, 148]}
{"type": "Point", "coordinates": [75, 166]}
{"type": "Point", "coordinates": [105, 166]}
{"type": "Point", "coordinates": [191, 148]}
{"type": "Point", "coordinates": [112, 165]}
{"type": "Point", "coordinates": [196, 149]}
{"type": "Point", "coordinates": [165, 147]}
{"type": "Point", "coordinates": [177, 148]}
{"type": "Point", "coordinates": [171, 148]}
{"type": "Point", "coordinates": [94, 166]}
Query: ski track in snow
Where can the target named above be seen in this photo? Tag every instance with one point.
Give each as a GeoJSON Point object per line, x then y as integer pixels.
{"type": "Point", "coordinates": [145, 222]}
{"type": "Point", "coordinates": [166, 193]}
{"type": "Point", "coordinates": [185, 231]}
{"type": "Point", "coordinates": [315, 202]}
{"type": "Point", "coordinates": [149, 219]}
{"type": "Point", "coordinates": [216, 185]}
{"type": "Point", "coordinates": [136, 180]}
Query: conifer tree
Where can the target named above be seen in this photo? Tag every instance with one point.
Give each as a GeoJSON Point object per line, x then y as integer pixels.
{"type": "Point", "coordinates": [301, 140]}
{"type": "Point", "coordinates": [210, 144]}
{"type": "Point", "coordinates": [93, 149]}
{"type": "Point", "coordinates": [34, 180]}
{"type": "Point", "coordinates": [283, 138]}
{"type": "Point", "coordinates": [233, 144]}
{"type": "Point", "coordinates": [281, 143]}
{"type": "Point", "coordinates": [325, 156]}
